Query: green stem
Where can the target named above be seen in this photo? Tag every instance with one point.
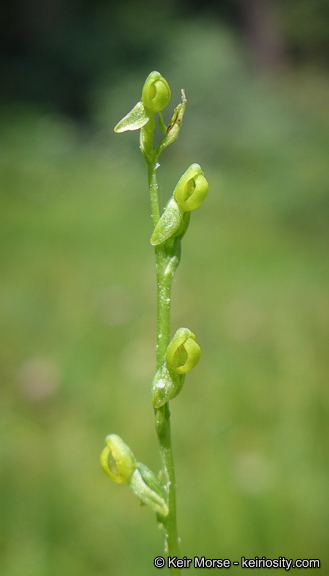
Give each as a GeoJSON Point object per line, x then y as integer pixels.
{"type": "Point", "coordinates": [166, 264]}
{"type": "Point", "coordinates": [164, 282]}
{"type": "Point", "coordinates": [153, 187]}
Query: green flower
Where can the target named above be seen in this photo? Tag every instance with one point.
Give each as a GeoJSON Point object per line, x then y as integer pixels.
{"type": "Point", "coordinates": [156, 92]}
{"type": "Point", "coordinates": [191, 189]}
{"type": "Point", "coordinates": [117, 460]}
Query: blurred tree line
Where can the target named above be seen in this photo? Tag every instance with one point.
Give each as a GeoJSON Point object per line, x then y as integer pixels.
{"type": "Point", "coordinates": [54, 52]}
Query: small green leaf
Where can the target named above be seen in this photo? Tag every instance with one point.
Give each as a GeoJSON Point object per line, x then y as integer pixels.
{"type": "Point", "coordinates": [134, 120]}
{"type": "Point", "coordinates": [146, 495]}
{"type": "Point", "coordinates": [168, 224]}
{"type": "Point", "coordinates": [151, 480]}
{"type": "Point", "coordinates": [166, 385]}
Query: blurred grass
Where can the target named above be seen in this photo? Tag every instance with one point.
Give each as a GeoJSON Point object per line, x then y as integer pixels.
{"type": "Point", "coordinates": [77, 305]}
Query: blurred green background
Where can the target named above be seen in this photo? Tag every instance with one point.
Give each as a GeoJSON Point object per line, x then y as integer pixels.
{"type": "Point", "coordinates": [77, 289]}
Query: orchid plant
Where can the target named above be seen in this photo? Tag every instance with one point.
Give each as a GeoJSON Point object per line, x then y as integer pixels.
{"type": "Point", "coordinates": [177, 356]}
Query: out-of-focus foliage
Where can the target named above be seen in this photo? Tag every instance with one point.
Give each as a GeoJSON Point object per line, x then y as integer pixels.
{"type": "Point", "coordinates": [57, 53]}
{"type": "Point", "coordinates": [77, 308]}
{"type": "Point", "coordinates": [306, 29]}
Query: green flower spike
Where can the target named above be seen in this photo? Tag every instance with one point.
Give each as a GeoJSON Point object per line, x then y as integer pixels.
{"type": "Point", "coordinates": [183, 353]}
{"type": "Point", "coordinates": [117, 460]}
{"type": "Point", "coordinates": [176, 357]}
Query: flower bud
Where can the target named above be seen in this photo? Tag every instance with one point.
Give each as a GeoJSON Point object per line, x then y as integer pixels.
{"type": "Point", "coordinates": [117, 460]}
{"type": "Point", "coordinates": [171, 133]}
{"type": "Point", "coordinates": [156, 92]}
{"type": "Point", "coordinates": [191, 189]}
{"type": "Point", "coordinates": [183, 353]}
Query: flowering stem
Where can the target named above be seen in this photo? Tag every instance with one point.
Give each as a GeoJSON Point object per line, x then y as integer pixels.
{"type": "Point", "coordinates": [176, 357]}
{"type": "Point", "coordinates": [166, 264]}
